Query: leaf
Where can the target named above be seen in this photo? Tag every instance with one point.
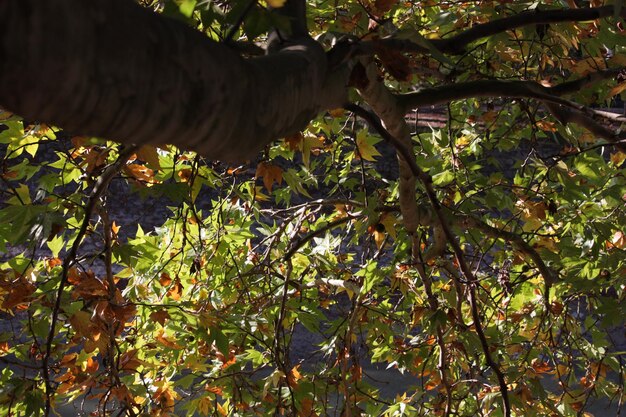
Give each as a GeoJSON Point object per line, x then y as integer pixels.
{"type": "Point", "coordinates": [167, 341]}
{"type": "Point", "coordinates": [141, 173]}
{"type": "Point", "coordinates": [618, 158]}
{"type": "Point", "coordinates": [618, 240]}
{"type": "Point", "coordinates": [443, 178]}
{"type": "Point", "coordinates": [186, 8]}
{"type": "Point", "coordinates": [276, 3]}
{"type": "Point", "coordinates": [365, 146]}
{"type": "Point", "coordinates": [165, 279]}
{"type": "Point", "coordinates": [149, 155]}
{"type": "Point", "coordinates": [270, 173]}
{"type": "Point", "coordinates": [310, 144]}
{"type": "Point", "coordinates": [176, 290]}
{"type": "Point", "coordinates": [395, 62]}
{"type": "Point", "coordinates": [21, 196]}
{"type": "Point", "coordinates": [383, 6]}
{"type": "Point", "coordinates": [205, 405]}
{"type": "Point", "coordinates": [160, 316]}
{"type": "Point", "coordinates": [294, 142]}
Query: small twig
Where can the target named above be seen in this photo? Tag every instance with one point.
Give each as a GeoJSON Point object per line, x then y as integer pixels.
{"type": "Point", "coordinates": [426, 181]}
{"type": "Point", "coordinates": [97, 191]}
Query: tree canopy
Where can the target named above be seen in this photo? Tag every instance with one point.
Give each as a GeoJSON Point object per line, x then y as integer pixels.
{"type": "Point", "coordinates": [191, 188]}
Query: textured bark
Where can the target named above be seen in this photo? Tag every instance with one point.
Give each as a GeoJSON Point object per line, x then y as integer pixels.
{"type": "Point", "coordinates": [112, 69]}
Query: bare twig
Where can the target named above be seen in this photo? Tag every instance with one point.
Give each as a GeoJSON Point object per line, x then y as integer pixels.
{"type": "Point", "coordinates": [98, 190]}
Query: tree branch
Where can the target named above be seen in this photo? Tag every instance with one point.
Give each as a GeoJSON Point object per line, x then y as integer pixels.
{"type": "Point", "coordinates": [169, 83]}
{"type": "Point", "coordinates": [565, 111]}
{"type": "Point", "coordinates": [455, 45]}
{"type": "Point", "coordinates": [94, 198]}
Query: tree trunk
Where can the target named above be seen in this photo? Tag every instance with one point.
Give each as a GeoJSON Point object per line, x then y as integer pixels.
{"type": "Point", "coordinates": [113, 69]}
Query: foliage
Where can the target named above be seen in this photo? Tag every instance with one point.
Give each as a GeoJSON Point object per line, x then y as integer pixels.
{"type": "Point", "coordinates": [202, 315]}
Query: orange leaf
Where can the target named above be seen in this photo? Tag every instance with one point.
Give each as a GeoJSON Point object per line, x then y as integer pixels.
{"type": "Point", "coordinates": [175, 290]}
{"type": "Point", "coordinates": [185, 174]}
{"type": "Point", "coordinates": [294, 376]}
{"type": "Point", "coordinates": [165, 279]}
{"type": "Point", "coordinates": [306, 408]}
{"type": "Point", "coordinates": [91, 366]}
{"type": "Point", "coordinates": [167, 342]}
{"type": "Point", "coordinates": [141, 173]}
{"type": "Point", "coordinates": [270, 173]}
{"type": "Point", "coordinates": [541, 367]}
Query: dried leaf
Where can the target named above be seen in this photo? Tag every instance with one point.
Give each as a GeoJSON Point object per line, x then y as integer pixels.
{"type": "Point", "coordinates": [150, 155]}
{"type": "Point", "coordinates": [270, 173]}
{"type": "Point", "coordinates": [160, 316]}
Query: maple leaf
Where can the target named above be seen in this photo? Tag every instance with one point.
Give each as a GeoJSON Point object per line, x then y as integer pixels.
{"type": "Point", "coordinates": [165, 279]}
{"type": "Point", "coordinates": [294, 142]}
{"type": "Point", "coordinates": [276, 4]}
{"type": "Point", "coordinates": [160, 316]}
{"type": "Point", "coordinates": [383, 6]}
{"type": "Point", "coordinates": [270, 173]}
{"type": "Point", "coordinates": [141, 173]}
{"type": "Point", "coordinates": [176, 290]}
{"type": "Point", "coordinates": [150, 155]}
{"type": "Point", "coordinates": [20, 292]}
{"type": "Point", "coordinates": [365, 145]}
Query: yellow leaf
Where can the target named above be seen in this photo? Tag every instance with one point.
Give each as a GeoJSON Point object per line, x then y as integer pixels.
{"type": "Point", "coordinates": [276, 3]}
{"type": "Point", "coordinates": [389, 221]}
{"type": "Point", "coordinates": [309, 145]}
{"type": "Point", "coordinates": [617, 89]}
{"type": "Point", "coordinates": [365, 145]}
{"type": "Point", "coordinates": [205, 405]}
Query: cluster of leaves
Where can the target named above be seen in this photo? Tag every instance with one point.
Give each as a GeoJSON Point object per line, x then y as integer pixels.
{"type": "Point", "coordinates": [204, 312]}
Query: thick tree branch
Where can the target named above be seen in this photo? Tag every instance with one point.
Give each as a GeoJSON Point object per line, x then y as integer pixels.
{"type": "Point", "coordinates": [485, 88]}
{"type": "Point", "coordinates": [566, 111]}
{"type": "Point", "coordinates": [113, 69]}
{"type": "Point", "coordinates": [455, 45]}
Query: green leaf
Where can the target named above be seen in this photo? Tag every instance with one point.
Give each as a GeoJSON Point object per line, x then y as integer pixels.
{"type": "Point", "coordinates": [443, 178]}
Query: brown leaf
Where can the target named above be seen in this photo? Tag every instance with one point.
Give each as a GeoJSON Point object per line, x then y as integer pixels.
{"type": "Point", "coordinates": [20, 292]}
{"type": "Point", "coordinates": [270, 173]}
{"type": "Point", "coordinates": [89, 287]}
{"type": "Point", "coordinates": [383, 6]}
{"type": "Point", "coordinates": [150, 155]}
{"type": "Point", "coordinates": [394, 62]}
{"type": "Point", "coordinates": [160, 316]}
{"type": "Point", "coordinates": [294, 142]}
